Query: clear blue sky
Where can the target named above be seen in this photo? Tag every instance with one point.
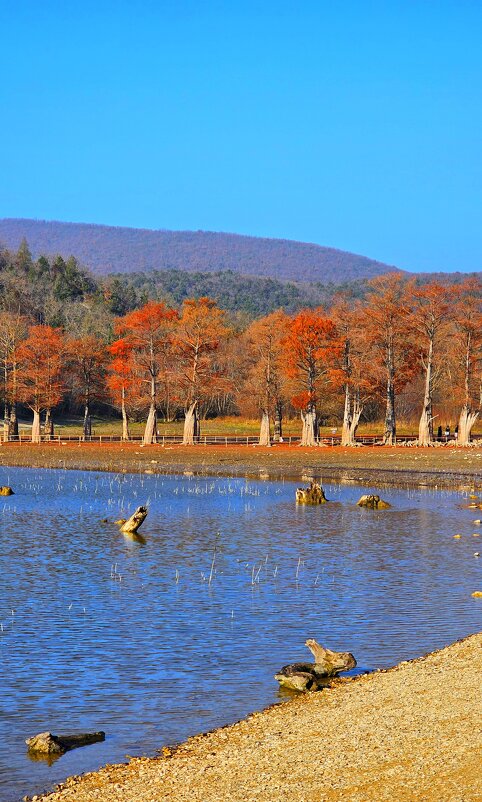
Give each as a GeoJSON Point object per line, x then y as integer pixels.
{"type": "Point", "coordinates": [351, 124]}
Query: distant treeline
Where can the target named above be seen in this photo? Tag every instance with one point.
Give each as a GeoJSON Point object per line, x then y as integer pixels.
{"type": "Point", "coordinates": [233, 292]}
{"type": "Point", "coordinates": [60, 292]}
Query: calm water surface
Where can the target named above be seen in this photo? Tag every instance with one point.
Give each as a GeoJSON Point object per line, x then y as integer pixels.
{"type": "Point", "coordinates": [155, 641]}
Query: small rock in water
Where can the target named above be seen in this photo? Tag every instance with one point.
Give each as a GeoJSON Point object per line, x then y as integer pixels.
{"type": "Point", "coordinates": [373, 502]}
{"type": "Point", "coordinates": [47, 744]}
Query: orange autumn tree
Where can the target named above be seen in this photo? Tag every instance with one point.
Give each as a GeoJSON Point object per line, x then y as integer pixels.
{"type": "Point", "coordinates": [352, 375]}
{"type": "Point", "coordinates": [386, 328]}
{"type": "Point", "coordinates": [122, 382]}
{"type": "Point", "coordinates": [428, 324]}
{"type": "Point", "coordinates": [311, 347]}
{"type": "Point", "coordinates": [466, 352]}
{"type": "Point", "coordinates": [86, 359]}
{"type": "Point", "coordinates": [147, 334]}
{"type": "Point", "coordinates": [13, 328]}
{"type": "Point", "coordinates": [40, 384]}
{"type": "Point", "coordinates": [199, 334]}
{"type": "Point", "coordinates": [264, 383]}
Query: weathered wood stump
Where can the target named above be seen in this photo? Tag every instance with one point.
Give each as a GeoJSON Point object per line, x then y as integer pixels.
{"type": "Point", "coordinates": [314, 494]}
{"type": "Point", "coordinates": [313, 676]}
{"type": "Point", "coordinates": [133, 523]}
{"type": "Point", "coordinates": [6, 491]}
{"type": "Point", "coordinates": [47, 744]}
{"type": "Point", "coordinates": [373, 502]}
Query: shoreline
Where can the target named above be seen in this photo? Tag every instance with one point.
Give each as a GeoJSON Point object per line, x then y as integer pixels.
{"type": "Point", "coordinates": [410, 732]}
{"type": "Point", "coordinates": [421, 467]}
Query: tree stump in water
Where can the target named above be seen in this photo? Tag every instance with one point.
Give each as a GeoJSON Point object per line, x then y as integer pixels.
{"type": "Point", "coordinates": [313, 676]}
{"type": "Point", "coordinates": [133, 523]}
{"type": "Point", "coordinates": [47, 744]}
{"type": "Point", "coordinates": [6, 491]}
{"type": "Point", "coordinates": [314, 494]}
{"type": "Point", "coordinates": [374, 502]}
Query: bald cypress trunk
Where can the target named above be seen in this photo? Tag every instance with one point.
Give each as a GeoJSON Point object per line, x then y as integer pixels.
{"type": "Point", "coordinates": [125, 418]}
{"type": "Point", "coordinates": [6, 422]}
{"type": "Point", "coordinates": [264, 432]}
{"type": "Point", "coordinates": [49, 425]}
{"type": "Point", "coordinates": [36, 427]}
{"type": "Point", "coordinates": [466, 422]}
{"type": "Point", "coordinates": [351, 417]}
{"type": "Point", "coordinates": [151, 427]}
{"type": "Point", "coordinates": [345, 429]}
{"type": "Point", "coordinates": [150, 432]}
{"type": "Point", "coordinates": [425, 428]}
{"type": "Point", "coordinates": [278, 422]}
{"type": "Point", "coordinates": [191, 425]}
{"type": "Point", "coordinates": [355, 419]}
{"type": "Point", "coordinates": [87, 425]}
{"type": "Point", "coordinates": [309, 433]}
{"type": "Point", "coordinates": [13, 422]}
{"type": "Point", "coordinates": [468, 416]}
{"type": "Point", "coordinates": [390, 432]}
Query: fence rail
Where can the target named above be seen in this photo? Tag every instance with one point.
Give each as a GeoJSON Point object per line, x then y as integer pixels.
{"type": "Point", "coordinates": [211, 439]}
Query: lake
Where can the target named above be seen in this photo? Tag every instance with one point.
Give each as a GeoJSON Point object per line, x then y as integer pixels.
{"type": "Point", "coordinates": [158, 640]}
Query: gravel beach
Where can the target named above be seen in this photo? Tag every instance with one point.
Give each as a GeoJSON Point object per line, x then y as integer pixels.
{"type": "Point", "coordinates": [410, 733]}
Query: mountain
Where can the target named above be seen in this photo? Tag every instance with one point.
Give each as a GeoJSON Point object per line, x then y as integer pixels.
{"type": "Point", "coordinates": [108, 249]}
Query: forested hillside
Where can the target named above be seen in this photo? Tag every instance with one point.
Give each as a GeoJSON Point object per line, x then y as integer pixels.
{"type": "Point", "coordinates": [105, 249]}
{"type": "Point", "coordinates": [60, 292]}
{"type": "Point", "coordinates": [233, 292]}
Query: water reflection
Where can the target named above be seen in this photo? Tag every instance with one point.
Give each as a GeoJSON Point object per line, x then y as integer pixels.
{"type": "Point", "coordinates": [180, 629]}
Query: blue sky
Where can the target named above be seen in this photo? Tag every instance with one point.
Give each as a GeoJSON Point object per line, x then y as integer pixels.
{"type": "Point", "coordinates": [356, 125]}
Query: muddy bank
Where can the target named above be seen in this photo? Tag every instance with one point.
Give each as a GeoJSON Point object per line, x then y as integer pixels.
{"type": "Point", "coordinates": [433, 467]}
{"type": "Point", "coordinates": [410, 733]}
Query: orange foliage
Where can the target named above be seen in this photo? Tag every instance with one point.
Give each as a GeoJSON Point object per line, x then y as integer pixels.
{"type": "Point", "coordinates": [40, 356]}
{"type": "Point", "coordinates": [311, 347]}
{"type": "Point", "coordinates": [87, 360]}
{"type": "Point", "coordinates": [263, 354]}
{"type": "Point", "coordinates": [198, 335]}
{"type": "Point", "coordinates": [144, 354]}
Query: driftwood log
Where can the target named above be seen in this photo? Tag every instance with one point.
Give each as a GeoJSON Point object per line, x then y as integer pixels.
{"type": "Point", "coordinates": [313, 676]}
{"type": "Point", "coordinates": [314, 494]}
{"type": "Point", "coordinates": [47, 744]}
{"type": "Point", "coordinates": [374, 502]}
{"type": "Point", "coordinates": [6, 491]}
{"type": "Point", "coordinates": [132, 524]}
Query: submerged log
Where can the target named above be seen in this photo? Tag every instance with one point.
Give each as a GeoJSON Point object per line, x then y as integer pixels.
{"type": "Point", "coordinates": [133, 523]}
{"type": "Point", "coordinates": [374, 502]}
{"type": "Point", "coordinates": [6, 491]}
{"type": "Point", "coordinates": [313, 676]}
{"type": "Point", "coordinates": [47, 744]}
{"type": "Point", "coordinates": [314, 494]}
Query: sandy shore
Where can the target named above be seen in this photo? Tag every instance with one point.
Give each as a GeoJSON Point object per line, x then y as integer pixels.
{"type": "Point", "coordinates": [434, 467]}
{"type": "Point", "coordinates": [410, 733]}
